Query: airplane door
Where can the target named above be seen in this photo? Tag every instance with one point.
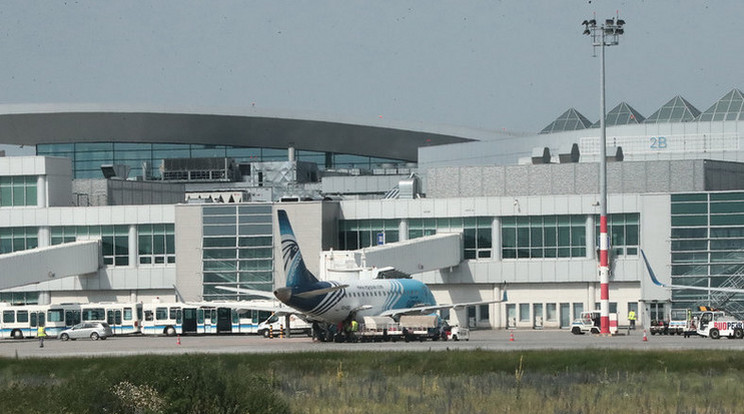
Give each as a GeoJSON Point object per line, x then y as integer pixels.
{"type": "Point", "coordinates": [189, 320]}
{"type": "Point", "coordinates": [224, 320]}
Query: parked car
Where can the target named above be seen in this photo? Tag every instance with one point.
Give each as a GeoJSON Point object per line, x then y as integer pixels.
{"type": "Point", "coordinates": [92, 330]}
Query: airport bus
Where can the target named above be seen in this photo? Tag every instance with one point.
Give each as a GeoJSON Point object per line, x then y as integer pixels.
{"type": "Point", "coordinates": [124, 318]}
{"type": "Point", "coordinates": [201, 318]}
{"type": "Point", "coordinates": [22, 321]}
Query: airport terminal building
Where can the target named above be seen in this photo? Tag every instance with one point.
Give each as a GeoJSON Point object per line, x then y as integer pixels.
{"type": "Point", "coordinates": [133, 203]}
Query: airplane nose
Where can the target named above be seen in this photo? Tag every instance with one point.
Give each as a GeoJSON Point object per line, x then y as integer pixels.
{"type": "Point", "coordinates": [283, 294]}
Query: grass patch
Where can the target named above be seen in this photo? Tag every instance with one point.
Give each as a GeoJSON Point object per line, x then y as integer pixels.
{"type": "Point", "coordinates": [589, 381]}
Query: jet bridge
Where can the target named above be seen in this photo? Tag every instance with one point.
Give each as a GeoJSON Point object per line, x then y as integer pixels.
{"type": "Point", "coordinates": [46, 263]}
{"type": "Point", "coordinates": [411, 256]}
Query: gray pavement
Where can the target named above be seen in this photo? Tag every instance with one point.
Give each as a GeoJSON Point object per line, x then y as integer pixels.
{"type": "Point", "coordinates": [499, 340]}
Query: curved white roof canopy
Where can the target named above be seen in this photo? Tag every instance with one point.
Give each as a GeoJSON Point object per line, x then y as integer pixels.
{"type": "Point", "coordinates": [35, 124]}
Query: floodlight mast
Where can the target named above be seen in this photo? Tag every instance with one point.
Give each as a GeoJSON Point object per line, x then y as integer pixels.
{"type": "Point", "coordinates": [607, 34]}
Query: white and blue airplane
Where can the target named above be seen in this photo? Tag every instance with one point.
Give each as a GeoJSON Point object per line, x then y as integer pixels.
{"type": "Point", "coordinates": [334, 302]}
{"type": "Point", "coordinates": [685, 287]}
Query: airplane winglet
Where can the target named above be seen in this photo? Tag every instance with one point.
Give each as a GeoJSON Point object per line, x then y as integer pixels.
{"type": "Point", "coordinates": [651, 271]}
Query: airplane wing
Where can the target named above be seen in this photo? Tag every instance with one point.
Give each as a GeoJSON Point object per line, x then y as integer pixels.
{"type": "Point", "coordinates": [681, 287]}
{"type": "Point", "coordinates": [254, 292]}
{"type": "Point", "coordinates": [425, 310]}
{"type": "Point", "coordinates": [246, 305]}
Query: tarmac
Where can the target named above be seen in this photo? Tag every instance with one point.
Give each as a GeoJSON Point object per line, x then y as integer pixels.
{"type": "Point", "coordinates": [493, 340]}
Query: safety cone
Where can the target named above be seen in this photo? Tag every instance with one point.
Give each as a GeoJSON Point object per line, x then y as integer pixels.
{"type": "Point", "coordinates": [511, 337]}
{"type": "Point", "coordinates": [645, 338]}
{"type": "Point", "coordinates": [178, 340]}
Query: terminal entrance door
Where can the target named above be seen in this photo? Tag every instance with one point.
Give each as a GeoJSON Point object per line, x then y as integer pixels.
{"type": "Point", "coordinates": [565, 315]}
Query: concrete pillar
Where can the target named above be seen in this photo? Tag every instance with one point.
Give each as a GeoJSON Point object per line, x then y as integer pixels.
{"type": "Point", "coordinates": [496, 321]}
{"type": "Point", "coordinates": [591, 237]}
{"type": "Point", "coordinates": [403, 230]}
{"type": "Point", "coordinates": [41, 191]}
{"type": "Point", "coordinates": [591, 296]}
{"type": "Point", "coordinates": [133, 246]}
{"type": "Point", "coordinates": [44, 236]}
{"type": "Point", "coordinates": [496, 239]}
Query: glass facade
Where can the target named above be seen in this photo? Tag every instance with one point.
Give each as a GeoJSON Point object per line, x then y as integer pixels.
{"type": "Point", "coordinates": [237, 250]}
{"type": "Point", "coordinates": [14, 239]}
{"type": "Point", "coordinates": [17, 191]}
{"type": "Point", "coordinates": [676, 110]}
{"type": "Point", "coordinates": [728, 108]}
{"type": "Point", "coordinates": [708, 247]}
{"type": "Point", "coordinates": [526, 237]}
{"type": "Point", "coordinates": [356, 234]}
{"type": "Point", "coordinates": [114, 240]}
{"type": "Point", "coordinates": [156, 244]}
{"type": "Point", "coordinates": [87, 158]}
{"type": "Point", "coordinates": [623, 230]}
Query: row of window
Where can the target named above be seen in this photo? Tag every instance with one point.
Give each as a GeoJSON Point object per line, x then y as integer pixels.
{"type": "Point", "coordinates": [521, 236]}
{"type": "Point", "coordinates": [87, 158]}
{"type": "Point", "coordinates": [17, 191]}
{"type": "Point", "coordinates": [538, 314]}
{"type": "Point", "coordinates": [156, 242]}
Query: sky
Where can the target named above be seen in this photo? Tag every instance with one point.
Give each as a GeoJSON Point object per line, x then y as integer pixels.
{"type": "Point", "coordinates": [510, 65]}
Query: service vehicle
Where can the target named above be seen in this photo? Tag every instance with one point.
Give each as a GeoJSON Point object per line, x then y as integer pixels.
{"type": "Point", "coordinates": [715, 324]}
{"type": "Point", "coordinates": [587, 322]}
{"type": "Point", "coordinates": [379, 328]}
{"type": "Point", "coordinates": [457, 333]}
{"type": "Point", "coordinates": [678, 321]}
{"type": "Point", "coordinates": [276, 325]}
{"type": "Point", "coordinates": [422, 327]}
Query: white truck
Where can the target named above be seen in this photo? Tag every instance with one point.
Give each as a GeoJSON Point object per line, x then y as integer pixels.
{"type": "Point", "coordinates": [273, 326]}
{"type": "Point", "coordinates": [379, 328]}
{"type": "Point", "coordinates": [715, 324]}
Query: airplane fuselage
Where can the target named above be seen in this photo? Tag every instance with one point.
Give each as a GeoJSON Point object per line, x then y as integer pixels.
{"type": "Point", "coordinates": [362, 298]}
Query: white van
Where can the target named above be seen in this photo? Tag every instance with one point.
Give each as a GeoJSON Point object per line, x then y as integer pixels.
{"type": "Point", "coordinates": [273, 326]}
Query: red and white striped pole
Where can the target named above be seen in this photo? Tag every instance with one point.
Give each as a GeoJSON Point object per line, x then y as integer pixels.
{"type": "Point", "coordinates": [603, 35]}
{"type": "Point", "coordinates": [604, 263]}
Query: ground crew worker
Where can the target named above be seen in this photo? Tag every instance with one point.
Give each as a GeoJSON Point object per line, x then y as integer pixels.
{"type": "Point", "coordinates": [41, 333]}
{"type": "Point", "coordinates": [632, 318]}
{"type": "Point", "coordinates": [354, 329]}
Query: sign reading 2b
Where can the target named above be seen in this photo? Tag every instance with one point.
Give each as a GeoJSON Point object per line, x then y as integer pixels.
{"type": "Point", "coordinates": [658, 143]}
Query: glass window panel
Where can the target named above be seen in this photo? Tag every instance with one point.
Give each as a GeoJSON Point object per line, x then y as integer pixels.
{"type": "Point", "coordinates": [680, 221]}
{"type": "Point", "coordinates": [727, 220]}
{"type": "Point", "coordinates": [219, 241]}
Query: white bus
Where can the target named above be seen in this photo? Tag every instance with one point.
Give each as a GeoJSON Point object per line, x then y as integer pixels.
{"type": "Point", "coordinates": [203, 318]}
{"type": "Point", "coordinates": [22, 321]}
{"type": "Point", "coordinates": [124, 318]}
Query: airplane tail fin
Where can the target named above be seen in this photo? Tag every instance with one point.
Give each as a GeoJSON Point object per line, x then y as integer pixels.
{"type": "Point", "coordinates": [294, 267]}
{"type": "Point", "coordinates": [651, 271]}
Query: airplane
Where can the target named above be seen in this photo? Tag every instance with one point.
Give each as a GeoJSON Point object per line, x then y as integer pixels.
{"type": "Point", "coordinates": [681, 287]}
{"type": "Point", "coordinates": [335, 302]}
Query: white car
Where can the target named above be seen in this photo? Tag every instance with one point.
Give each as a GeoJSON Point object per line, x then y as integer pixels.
{"type": "Point", "coordinates": [456, 333]}
{"type": "Point", "coordinates": [92, 330]}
